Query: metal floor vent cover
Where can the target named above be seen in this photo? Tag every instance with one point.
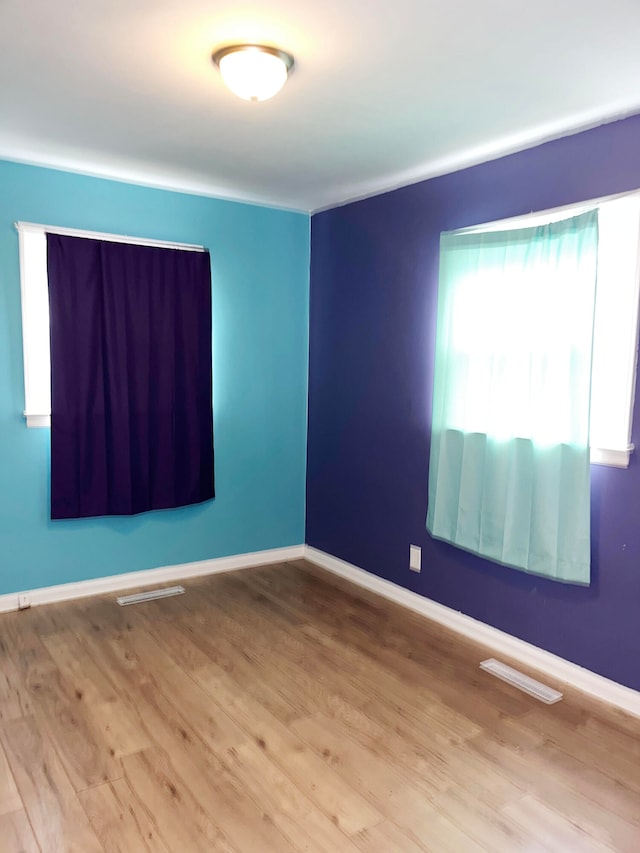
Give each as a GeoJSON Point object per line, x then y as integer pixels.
{"type": "Point", "coordinates": [138, 597]}
{"type": "Point", "coordinates": [523, 682]}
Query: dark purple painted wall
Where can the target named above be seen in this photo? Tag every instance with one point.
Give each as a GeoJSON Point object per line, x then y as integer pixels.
{"type": "Point", "coordinates": [373, 299]}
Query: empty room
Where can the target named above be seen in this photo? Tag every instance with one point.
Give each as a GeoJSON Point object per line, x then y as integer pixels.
{"type": "Point", "coordinates": [319, 499]}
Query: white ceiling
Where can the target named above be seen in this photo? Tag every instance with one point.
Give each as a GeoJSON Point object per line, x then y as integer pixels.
{"type": "Point", "coordinates": [385, 91]}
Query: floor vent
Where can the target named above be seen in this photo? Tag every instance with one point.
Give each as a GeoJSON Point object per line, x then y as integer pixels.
{"type": "Point", "coordinates": [138, 597]}
{"type": "Point", "coordinates": [529, 685]}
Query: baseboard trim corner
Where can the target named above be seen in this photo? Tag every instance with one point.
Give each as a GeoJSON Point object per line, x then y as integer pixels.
{"type": "Point", "coordinates": [545, 662]}
{"type": "Point", "coordinates": [147, 577]}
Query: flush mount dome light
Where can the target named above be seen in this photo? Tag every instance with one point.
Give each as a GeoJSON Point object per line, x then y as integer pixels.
{"type": "Point", "coordinates": [253, 71]}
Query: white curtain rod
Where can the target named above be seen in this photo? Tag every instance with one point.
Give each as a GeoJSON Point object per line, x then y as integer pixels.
{"type": "Point", "coordinates": [575, 209]}
{"type": "Point", "coordinates": [110, 238]}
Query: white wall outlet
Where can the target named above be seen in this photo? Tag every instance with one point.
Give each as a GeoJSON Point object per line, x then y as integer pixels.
{"type": "Point", "coordinates": [24, 602]}
{"type": "Point", "coordinates": [415, 558]}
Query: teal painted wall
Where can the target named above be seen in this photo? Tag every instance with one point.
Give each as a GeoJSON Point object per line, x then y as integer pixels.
{"type": "Point", "coordinates": [260, 273]}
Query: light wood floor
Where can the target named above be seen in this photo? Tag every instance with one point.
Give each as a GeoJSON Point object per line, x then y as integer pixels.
{"type": "Point", "coordinates": [273, 710]}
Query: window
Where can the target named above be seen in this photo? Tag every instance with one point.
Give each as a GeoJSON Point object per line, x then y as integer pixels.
{"type": "Point", "coordinates": [534, 378]}
{"type": "Point", "coordinates": [35, 325]}
{"type": "Point", "coordinates": [35, 310]}
{"type": "Point", "coordinates": [480, 312]}
{"type": "Point", "coordinates": [118, 360]}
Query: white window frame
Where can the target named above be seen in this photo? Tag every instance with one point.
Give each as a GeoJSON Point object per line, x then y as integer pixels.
{"type": "Point", "coordinates": [35, 307]}
{"type": "Point", "coordinates": [625, 314]}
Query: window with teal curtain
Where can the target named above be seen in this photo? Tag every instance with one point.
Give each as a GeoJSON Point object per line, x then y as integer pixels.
{"type": "Point", "coordinates": [509, 474]}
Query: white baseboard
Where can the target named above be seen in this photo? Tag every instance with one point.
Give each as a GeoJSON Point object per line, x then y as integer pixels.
{"type": "Point", "coordinates": [545, 662]}
{"type": "Point", "coordinates": [129, 580]}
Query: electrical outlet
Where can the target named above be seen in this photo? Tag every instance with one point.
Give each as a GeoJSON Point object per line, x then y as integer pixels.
{"type": "Point", "coordinates": [24, 602]}
{"type": "Point", "coordinates": [415, 558]}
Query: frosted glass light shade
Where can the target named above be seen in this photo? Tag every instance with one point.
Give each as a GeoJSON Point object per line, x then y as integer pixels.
{"type": "Point", "coordinates": [253, 72]}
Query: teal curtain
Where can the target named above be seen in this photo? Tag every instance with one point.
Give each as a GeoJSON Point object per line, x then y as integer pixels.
{"type": "Point", "coordinates": [509, 474]}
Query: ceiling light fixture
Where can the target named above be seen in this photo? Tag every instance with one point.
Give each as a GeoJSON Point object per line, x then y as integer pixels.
{"type": "Point", "coordinates": [253, 71]}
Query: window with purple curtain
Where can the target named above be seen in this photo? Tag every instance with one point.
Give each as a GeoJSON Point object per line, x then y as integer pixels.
{"type": "Point", "coordinates": [131, 372]}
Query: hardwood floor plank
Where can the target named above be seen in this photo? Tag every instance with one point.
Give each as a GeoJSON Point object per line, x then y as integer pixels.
{"type": "Point", "coordinates": [160, 716]}
{"type": "Point", "coordinates": [59, 822]}
{"type": "Point", "coordinates": [253, 673]}
{"type": "Point", "coordinates": [385, 837]}
{"type": "Point", "coordinates": [82, 749]}
{"type": "Point", "coordinates": [568, 794]}
{"type": "Point", "coordinates": [341, 803]}
{"type": "Point", "coordinates": [120, 821]}
{"type": "Point", "coordinates": [281, 709]}
{"type": "Point", "coordinates": [587, 779]}
{"type": "Point", "coordinates": [16, 835]}
{"type": "Point", "coordinates": [10, 800]}
{"type": "Point", "coordinates": [170, 799]}
{"type": "Point", "coordinates": [482, 820]}
{"type": "Point", "coordinates": [554, 831]}
{"type": "Point", "coordinates": [391, 793]}
{"type": "Point", "coordinates": [130, 659]}
{"type": "Point", "coordinates": [136, 650]}
{"type": "Point", "coordinates": [119, 729]}
{"type": "Point", "coordinates": [577, 744]}
{"type": "Point", "coordinates": [15, 699]}
{"type": "Point", "coordinates": [77, 668]}
{"type": "Point", "coordinates": [301, 670]}
{"type": "Point", "coordinates": [61, 708]}
{"type": "Point", "coordinates": [401, 660]}
{"type": "Point", "coordinates": [196, 769]}
{"type": "Point", "coordinates": [217, 729]}
{"type": "Point", "coordinates": [183, 652]}
{"type": "Point", "coordinates": [296, 816]}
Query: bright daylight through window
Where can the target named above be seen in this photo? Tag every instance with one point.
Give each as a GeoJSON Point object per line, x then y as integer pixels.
{"type": "Point", "coordinates": [481, 323]}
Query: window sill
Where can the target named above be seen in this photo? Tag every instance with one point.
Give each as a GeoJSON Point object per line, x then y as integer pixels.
{"type": "Point", "coordinates": [611, 458]}
{"type": "Point", "coordinates": [38, 420]}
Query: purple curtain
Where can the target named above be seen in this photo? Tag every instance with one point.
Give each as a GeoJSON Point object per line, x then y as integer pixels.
{"type": "Point", "coordinates": [131, 365]}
